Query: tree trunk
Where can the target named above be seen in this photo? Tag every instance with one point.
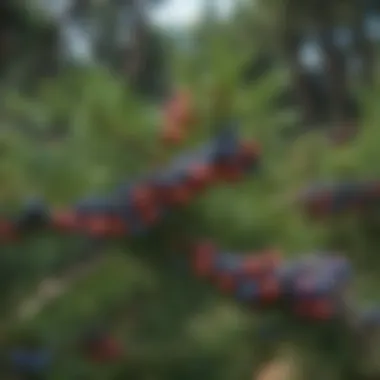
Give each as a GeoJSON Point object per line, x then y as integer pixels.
{"type": "Point", "coordinates": [335, 62]}
{"type": "Point", "coordinates": [363, 46]}
{"type": "Point", "coordinates": [291, 47]}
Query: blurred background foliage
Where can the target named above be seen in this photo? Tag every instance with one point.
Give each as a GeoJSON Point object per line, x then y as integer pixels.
{"type": "Point", "coordinates": [77, 121]}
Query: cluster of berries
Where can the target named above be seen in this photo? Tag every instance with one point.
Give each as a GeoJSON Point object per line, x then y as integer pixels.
{"type": "Point", "coordinates": [135, 207]}
{"type": "Point", "coordinates": [30, 357]}
{"type": "Point", "coordinates": [179, 115]}
{"type": "Point", "coordinates": [33, 360]}
{"type": "Point", "coordinates": [30, 362]}
{"type": "Point", "coordinates": [327, 199]}
{"type": "Point", "coordinates": [313, 287]}
{"type": "Point", "coordinates": [101, 347]}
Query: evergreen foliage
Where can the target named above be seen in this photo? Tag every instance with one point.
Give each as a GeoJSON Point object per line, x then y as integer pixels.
{"type": "Point", "coordinates": [171, 324]}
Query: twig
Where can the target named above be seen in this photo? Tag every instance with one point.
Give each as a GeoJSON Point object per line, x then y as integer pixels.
{"type": "Point", "coordinates": [52, 288]}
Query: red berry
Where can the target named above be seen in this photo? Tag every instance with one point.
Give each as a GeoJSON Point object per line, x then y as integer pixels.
{"type": "Point", "coordinates": [98, 225]}
{"type": "Point", "coordinates": [204, 259]}
{"type": "Point", "coordinates": [66, 220]}
{"type": "Point", "coordinates": [200, 176]}
{"type": "Point", "coordinates": [226, 283]}
{"type": "Point", "coordinates": [7, 231]}
{"type": "Point", "coordinates": [180, 195]}
{"type": "Point", "coordinates": [270, 289]}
